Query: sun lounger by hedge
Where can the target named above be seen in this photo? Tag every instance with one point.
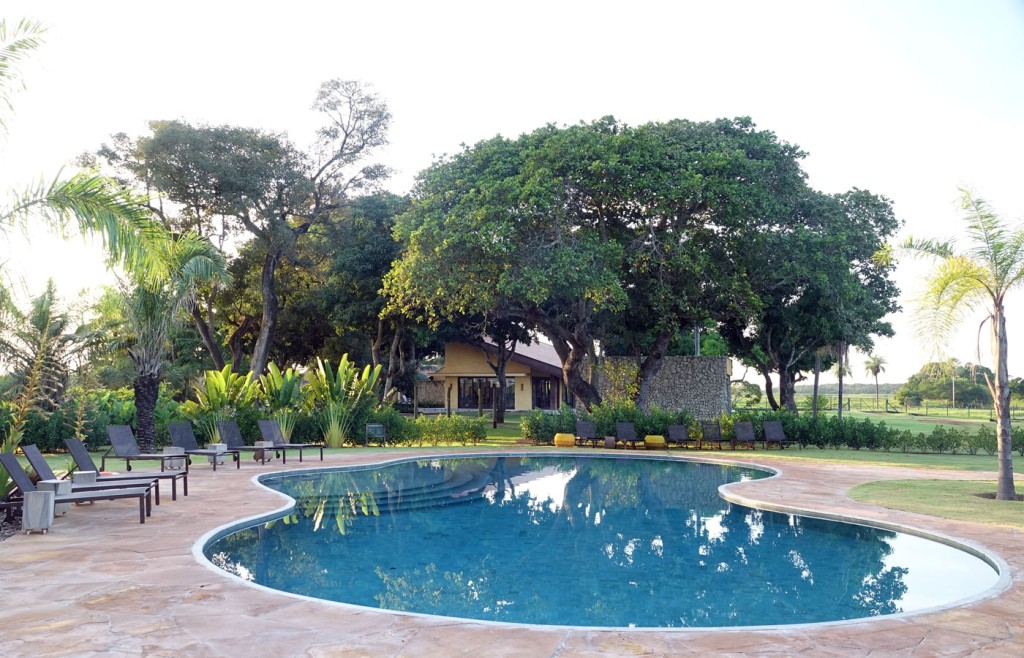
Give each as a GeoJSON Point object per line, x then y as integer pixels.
{"type": "Point", "coordinates": [626, 433]}
{"type": "Point", "coordinates": [586, 432]}
{"type": "Point", "coordinates": [711, 432]}
{"type": "Point", "coordinates": [774, 434]}
{"type": "Point", "coordinates": [85, 462]}
{"type": "Point", "coordinates": [231, 436]}
{"type": "Point", "coordinates": [183, 437]}
{"type": "Point", "coordinates": [25, 485]}
{"type": "Point", "coordinates": [123, 445]}
{"type": "Point", "coordinates": [271, 431]}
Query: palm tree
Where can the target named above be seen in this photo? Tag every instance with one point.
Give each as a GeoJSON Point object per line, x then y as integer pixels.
{"type": "Point", "coordinates": [980, 276]}
{"type": "Point", "coordinates": [154, 304]}
{"type": "Point", "coordinates": [874, 365]}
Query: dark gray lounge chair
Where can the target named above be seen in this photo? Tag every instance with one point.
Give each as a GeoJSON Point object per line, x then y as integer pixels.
{"type": "Point", "coordinates": [711, 432]}
{"type": "Point", "coordinates": [774, 434]}
{"type": "Point", "coordinates": [586, 432]}
{"type": "Point", "coordinates": [123, 445]}
{"type": "Point", "coordinates": [271, 431]}
{"type": "Point", "coordinates": [231, 436]}
{"type": "Point", "coordinates": [85, 463]}
{"type": "Point", "coordinates": [744, 433]}
{"type": "Point", "coordinates": [24, 484]}
{"type": "Point", "coordinates": [183, 437]}
{"type": "Point", "coordinates": [376, 431]}
{"type": "Point", "coordinates": [680, 435]}
{"type": "Point", "coordinates": [43, 470]}
{"type": "Point", "coordinates": [626, 433]}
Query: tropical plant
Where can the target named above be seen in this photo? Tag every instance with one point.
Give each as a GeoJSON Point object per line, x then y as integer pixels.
{"type": "Point", "coordinates": [342, 396]}
{"type": "Point", "coordinates": [979, 277]}
{"type": "Point", "coordinates": [874, 365]}
{"type": "Point", "coordinates": [222, 394]}
{"type": "Point", "coordinates": [282, 393]}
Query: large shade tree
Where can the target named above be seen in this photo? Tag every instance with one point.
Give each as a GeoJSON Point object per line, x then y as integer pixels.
{"type": "Point", "coordinates": [251, 184]}
{"type": "Point", "coordinates": [976, 277]}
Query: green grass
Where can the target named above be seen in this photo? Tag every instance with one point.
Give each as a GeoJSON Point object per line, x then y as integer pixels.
{"type": "Point", "coordinates": [980, 463]}
{"type": "Point", "coordinates": [947, 499]}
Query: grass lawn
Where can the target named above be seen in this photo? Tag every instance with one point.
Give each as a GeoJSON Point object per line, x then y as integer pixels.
{"type": "Point", "coordinates": [943, 498]}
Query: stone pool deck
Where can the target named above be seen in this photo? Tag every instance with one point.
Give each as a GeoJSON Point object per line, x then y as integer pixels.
{"type": "Point", "coordinates": [101, 584]}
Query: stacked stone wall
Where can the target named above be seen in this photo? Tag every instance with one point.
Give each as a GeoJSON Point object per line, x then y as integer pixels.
{"type": "Point", "coordinates": [430, 393]}
{"type": "Point", "coordinates": [698, 384]}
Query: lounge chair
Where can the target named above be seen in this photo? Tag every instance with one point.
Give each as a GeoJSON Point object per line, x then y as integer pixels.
{"type": "Point", "coordinates": [183, 437]}
{"type": "Point", "coordinates": [24, 484]}
{"type": "Point", "coordinates": [85, 463]}
{"type": "Point", "coordinates": [711, 432]}
{"type": "Point", "coordinates": [375, 431]}
{"type": "Point", "coordinates": [123, 445]}
{"type": "Point", "coordinates": [680, 435]}
{"type": "Point", "coordinates": [773, 433]}
{"type": "Point", "coordinates": [586, 433]}
{"type": "Point", "coordinates": [271, 431]}
{"type": "Point", "coordinates": [744, 433]}
{"type": "Point", "coordinates": [231, 436]}
{"type": "Point", "coordinates": [626, 433]}
{"type": "Point", "coordinates": [43, 470]}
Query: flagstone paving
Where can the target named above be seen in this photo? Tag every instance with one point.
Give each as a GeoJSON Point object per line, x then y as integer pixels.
{"type": "Point", "coordinates": [101, 584]}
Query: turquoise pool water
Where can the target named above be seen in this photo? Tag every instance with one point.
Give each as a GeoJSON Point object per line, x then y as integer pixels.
{"type": "Point", "coordinates": [583, 541]}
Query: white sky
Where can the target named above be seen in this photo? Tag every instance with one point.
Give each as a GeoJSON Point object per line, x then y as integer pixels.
{"type": "Point", "coordinates": [906, 99]}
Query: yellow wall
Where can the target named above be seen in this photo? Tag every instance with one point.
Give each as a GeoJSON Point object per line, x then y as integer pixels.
{"type": "Point", "coordinates": [466, 361]}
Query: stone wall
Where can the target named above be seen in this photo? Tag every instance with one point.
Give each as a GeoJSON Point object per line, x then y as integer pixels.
{"type": "Point", "coordinates": [699, 384]}
{"type": "Point", "coordinates": [431, 393]}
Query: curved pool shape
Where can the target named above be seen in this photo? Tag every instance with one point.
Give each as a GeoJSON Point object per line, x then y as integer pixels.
{"type": "Point", "coordinates": [583, 541]}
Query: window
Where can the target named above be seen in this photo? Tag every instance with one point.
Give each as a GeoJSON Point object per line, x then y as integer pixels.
{"type": "Point", "coordinates": [468, 387]}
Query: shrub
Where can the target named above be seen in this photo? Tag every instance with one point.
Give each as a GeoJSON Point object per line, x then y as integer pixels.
{"type": "Point", "coordinates": [399, 429]}
{"type": "Point", "coordinates": [453, 429]}
{"type": "Point", "coordinates": [541, 426]}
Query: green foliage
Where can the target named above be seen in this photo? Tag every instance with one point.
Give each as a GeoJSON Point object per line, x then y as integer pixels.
{"type": "Point", "coordinates": [342, 398]}
{"type": "Point", "coordinates": [223, 395]}
{"type": "Point", "coordinates": [399, 429]}
{"type": "Point", "coordinates": [454, 429]}
{"type": "Point", "coordinates": [541, 426]}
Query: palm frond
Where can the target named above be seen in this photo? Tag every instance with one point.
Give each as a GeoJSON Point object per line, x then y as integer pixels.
{"type": "Point", "coordinates": [92, 203]}
{"type": "Point", "coordinates": [16, 43]}
{"type": "Point", "coordinates": [926, 247]}
{"type": "Point", "coordinates": [951, 292]}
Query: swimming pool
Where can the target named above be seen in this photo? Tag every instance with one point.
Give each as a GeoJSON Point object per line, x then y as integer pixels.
{"type": "Point", "coordinates": [583, 541]}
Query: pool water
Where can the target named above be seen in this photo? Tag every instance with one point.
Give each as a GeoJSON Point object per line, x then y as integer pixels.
{"type": "Point", "coordinates": [583, 541]}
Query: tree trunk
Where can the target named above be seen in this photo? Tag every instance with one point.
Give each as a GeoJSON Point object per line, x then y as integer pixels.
{"type": "Point", "coordinates": [787, 397]}
{"type": "Point", "coordinates": [769, 392]}
{"type": "Point", "coordinates": [261, 353]}
{"type": "Point", "coordinates": [235, 342]}
{"type": "Point", "coordinates": [378, 341]}
{"type": "Point", "coordinates": [814, 397]}
{"type": "Point", "coordinates": [396, 360]}
{"type": "Point", "coordinates": [147, 390]}
{"type": "Point", "coordinates": [842, 350]}
{"type": "Point", "coordinates": [1000, 389]}
{"type": "Point", "coordinates": [650, 367]}
{"type": "Point", "coordinates": [209, 339]}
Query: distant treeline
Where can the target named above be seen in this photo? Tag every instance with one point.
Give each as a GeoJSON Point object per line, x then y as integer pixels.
{"type": "Point", "coordinates": [833, 389]}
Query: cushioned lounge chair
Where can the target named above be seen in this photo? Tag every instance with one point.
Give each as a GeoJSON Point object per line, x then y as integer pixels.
{"type": "Point", "coordinates": [85, 463]}
{"type": "Point", "coordinates": [774, 434]}
{"type": "Point", "coordinates": [744, 433]}
{"type": "Point", "coordinates": [43, 470]}
{"type": "Point", "coordinates": [376, 431]}
{"type": "Point", "coordinates": [626, 433]}
{"type": "Point", "coordinates": [586, 433]}
{"type": "Point", "coordinates": [711, 432]}
{"type": "Point", "coordinates": [183, 437]}
{"type": "Point", "coordinates": [680, 435]}
{"type": "Point", "coordinates": [271, 431]}
{"type": "Point", "coordinates": [24, 484]}
{"type": "Point", "coordinates": [123, 445]}
{"type": "Point", "coordinates": [231, 436]}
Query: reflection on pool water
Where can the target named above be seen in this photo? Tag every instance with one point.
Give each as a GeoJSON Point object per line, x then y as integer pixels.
{"type": "Point", "coordinates": [583, 541]}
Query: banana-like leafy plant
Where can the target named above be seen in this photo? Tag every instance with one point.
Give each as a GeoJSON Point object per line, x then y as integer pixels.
{"type": "Point", "coordinates": [221, 395]}
{"type": "Point", "coordinates": [342, 395]}
{"type": "Point", "coordinates": [282, 393]}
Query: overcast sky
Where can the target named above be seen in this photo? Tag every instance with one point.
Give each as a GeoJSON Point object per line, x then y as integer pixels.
{"type": "Point", "coordinates": [906, 99]}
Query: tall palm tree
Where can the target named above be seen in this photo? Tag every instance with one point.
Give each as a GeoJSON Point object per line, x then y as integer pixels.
{"type": "Point", "coordinates": [978, 277]}
{"type": "Point", "coordinates": [155, 303]}
{"type": "Point", "coordinates": [874, 365]}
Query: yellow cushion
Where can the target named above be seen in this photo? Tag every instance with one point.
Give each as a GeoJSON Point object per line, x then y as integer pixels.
{"type": "Point", "coordinates": [563, 440]}
{"type": "Point", "coordinates": [654, 441]}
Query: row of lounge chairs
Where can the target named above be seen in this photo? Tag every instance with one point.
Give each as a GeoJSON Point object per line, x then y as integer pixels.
{"type": "Point", "coordinates": [144, 486]}
{"type": "Point", "coordinates": [679, 435]}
